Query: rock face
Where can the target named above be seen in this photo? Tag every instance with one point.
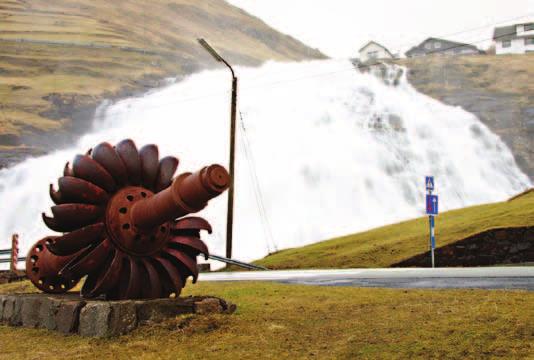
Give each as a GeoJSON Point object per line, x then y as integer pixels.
{"type": "Point", "coordinates": [69, 314]}
{"type": "Point", "coordinates": [496, 246]}
{"type": "Point", "coordinates": [497, 89]}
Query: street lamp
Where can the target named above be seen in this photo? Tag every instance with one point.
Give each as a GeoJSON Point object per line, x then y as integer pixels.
{"type": "Point", "coordinates": [230, 211]}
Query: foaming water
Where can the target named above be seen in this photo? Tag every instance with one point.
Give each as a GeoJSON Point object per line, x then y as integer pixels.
{"type": "Point", "coordinates": [334, 151]}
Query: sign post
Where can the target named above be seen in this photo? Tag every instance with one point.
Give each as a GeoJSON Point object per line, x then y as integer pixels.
{"type": "Point", "coordinates": [431, 210]}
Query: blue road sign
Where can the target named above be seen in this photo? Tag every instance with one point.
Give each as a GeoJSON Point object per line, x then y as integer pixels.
{"type": "Point", "coordinates": [429, 182]}
{"type": "Point", "coordinates": [432, 204]}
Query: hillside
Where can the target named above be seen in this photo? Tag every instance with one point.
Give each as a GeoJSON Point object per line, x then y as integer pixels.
{"type": "Point", "coordinates": [498, 89]}
{"type": "Point", "coordinates": [60, 58]}
{"type": "Point", "coordinates": [390, 245]}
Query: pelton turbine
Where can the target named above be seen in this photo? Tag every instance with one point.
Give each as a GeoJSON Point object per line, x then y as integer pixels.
{"type": "Point", "coordinates": [122, 218]}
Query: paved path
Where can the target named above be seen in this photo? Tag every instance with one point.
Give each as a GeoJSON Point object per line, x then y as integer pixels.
{"type": "Point", "coordinates": [480, 278]}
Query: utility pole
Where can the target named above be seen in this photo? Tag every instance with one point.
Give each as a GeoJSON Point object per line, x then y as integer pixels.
{"type": "Point", "coordinates": [230, 211]}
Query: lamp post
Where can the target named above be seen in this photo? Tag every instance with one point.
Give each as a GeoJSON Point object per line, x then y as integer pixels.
{"type": "Point", "coordinates": [230, 211]}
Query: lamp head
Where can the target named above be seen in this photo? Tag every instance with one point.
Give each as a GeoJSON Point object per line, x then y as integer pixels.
{"type": "Point", "coordinates": [209, 49]}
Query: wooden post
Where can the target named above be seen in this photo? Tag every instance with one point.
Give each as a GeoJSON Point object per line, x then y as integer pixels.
{"type": "Point", "coordinates": [230, 212]}
{"type": "Point", "coordinates": [14, 252]}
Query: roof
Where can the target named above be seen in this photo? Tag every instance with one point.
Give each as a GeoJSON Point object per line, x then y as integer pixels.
{"type": "Point", "coordinates": [448, 46]}
{"type": "Point", "coordinates": [508, 32]}
{"type": "Point", "coordinates": [505, 32]}
{"type": "Point", "coordinates": [382, 46]}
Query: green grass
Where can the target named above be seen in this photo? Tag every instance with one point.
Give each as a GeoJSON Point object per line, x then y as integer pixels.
{"type": "Point", "coordinates": [506, 74]}
{"type": "Point", "coordinates": [276, 321]}
{"type": "Point", "coordinates": [388, 245]}
{"type": "Point", "coordinates": [80, 75]}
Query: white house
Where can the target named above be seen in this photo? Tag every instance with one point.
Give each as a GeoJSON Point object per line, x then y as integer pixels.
{"type": "Point", "coordinates": [514, 39]}
{"type": "Point", "coordinates": [374, 51]}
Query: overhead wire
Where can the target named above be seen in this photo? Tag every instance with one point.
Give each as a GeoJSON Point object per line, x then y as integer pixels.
{"type": "Point", "coordinates": [316, 75]}
{"type": "Point", "coordinates": [256, 186]}
{"type": "Point", "coordinates": [465, 31]}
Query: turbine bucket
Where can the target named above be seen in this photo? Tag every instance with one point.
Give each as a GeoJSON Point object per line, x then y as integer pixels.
{"type": "Point", "coordinates": [121, 212]}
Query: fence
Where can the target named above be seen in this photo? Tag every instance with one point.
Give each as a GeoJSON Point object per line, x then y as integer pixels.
{"type": "Point", "coordinates": [13, 253]}
{"type": "Point", "coordinates": [13, 259]}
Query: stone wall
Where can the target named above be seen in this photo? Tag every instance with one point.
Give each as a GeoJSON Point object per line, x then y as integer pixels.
{"type": "Point", "coordinates": [70, 314]}
{"type": "Point", "coordinates": [491, 247]}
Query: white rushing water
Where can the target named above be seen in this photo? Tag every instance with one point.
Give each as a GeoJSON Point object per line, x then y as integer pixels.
{"type": "Point", "coordinates": [334, 151]}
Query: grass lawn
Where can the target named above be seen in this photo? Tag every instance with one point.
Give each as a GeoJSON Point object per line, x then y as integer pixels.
{"type": "Point", "coordinates": [277, 321]}
{"type": "Point", "coordinates": [494, 73]}
{"type": "Point", "coordinates": [388, 245]}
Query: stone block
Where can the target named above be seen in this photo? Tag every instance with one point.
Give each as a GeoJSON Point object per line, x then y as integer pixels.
{"type": "Point", "coordinates": [15, 318]}
{"type": "Point", "coordinates": [159, 309]}
{"type": "Point", "coordinates": [123, 318]}
{"type": "Point", "coordinates": [67, 316]}
{"type": "Point", "coordinates": [8, 308]}
{"type": "Point", "coordinates": [230, 308]}
{"type": "Point", "coordinates": [94, 319]}
{"type": "Point", "coordinates": [47, 313]}
{"type": "Point", "coordinates": [30, 309]}
{"type": "Point", "coordinates": [208, 306]}
{"type": "Point", "coordinates": [106, 319]}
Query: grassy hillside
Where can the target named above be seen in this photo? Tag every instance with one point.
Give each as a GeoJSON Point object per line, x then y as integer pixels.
{"type": "Point", "coordinates": [388, 245]}
{"type": "Point", "coordinates": [498, 89]}
{"type": "Point", "coordinates": [59, 58]}
{"type": "Point", "coordinates": [277, 321]}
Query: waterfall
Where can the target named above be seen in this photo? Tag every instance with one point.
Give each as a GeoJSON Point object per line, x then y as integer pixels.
{"type": "Point", "coordinates": [335, 151]}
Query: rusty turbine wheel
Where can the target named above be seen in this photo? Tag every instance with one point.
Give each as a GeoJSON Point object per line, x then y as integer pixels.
{"type": "Point", "coordinates": [121, 215]}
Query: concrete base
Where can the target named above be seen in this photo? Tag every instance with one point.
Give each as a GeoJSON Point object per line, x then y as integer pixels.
{"type": "Point", "coordinates": [70, 314]}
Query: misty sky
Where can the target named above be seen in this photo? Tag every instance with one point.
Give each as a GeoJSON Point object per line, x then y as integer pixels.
{"type": "Point", "coordinates": [340, 27]}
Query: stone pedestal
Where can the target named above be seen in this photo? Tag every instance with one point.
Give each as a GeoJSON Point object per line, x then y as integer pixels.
{"type": "Point", "coordinates": [68, 313]}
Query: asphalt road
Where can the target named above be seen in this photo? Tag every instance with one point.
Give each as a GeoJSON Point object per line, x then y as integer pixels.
{"type": "Point", "coordinates": [440, 278]}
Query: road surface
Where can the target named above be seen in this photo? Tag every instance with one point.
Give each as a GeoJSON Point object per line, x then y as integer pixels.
{"type": "Point", "coordinates": [461, 278]}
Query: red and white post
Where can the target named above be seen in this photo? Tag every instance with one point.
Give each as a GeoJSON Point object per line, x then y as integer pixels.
{"type": "Point", "coordinates": [14, 252]}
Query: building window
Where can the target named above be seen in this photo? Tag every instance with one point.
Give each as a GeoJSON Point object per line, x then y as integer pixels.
{"type": "Point", "coordinates": [428, 46]}
{"type": "Point", "coordinates": [437, 45]}
{"type": "Point", "coordinates": [529, 27]}
{"type": "Point", "coordinates": [372, 54]}
{"type": "Point", "coordinates": [529, 41]}
{"type": "Point", "coordinates": [506, 43]}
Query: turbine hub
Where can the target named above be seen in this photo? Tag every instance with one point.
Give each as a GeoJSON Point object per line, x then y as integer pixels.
{"type": "Point", "coordinates": [123, 231]}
